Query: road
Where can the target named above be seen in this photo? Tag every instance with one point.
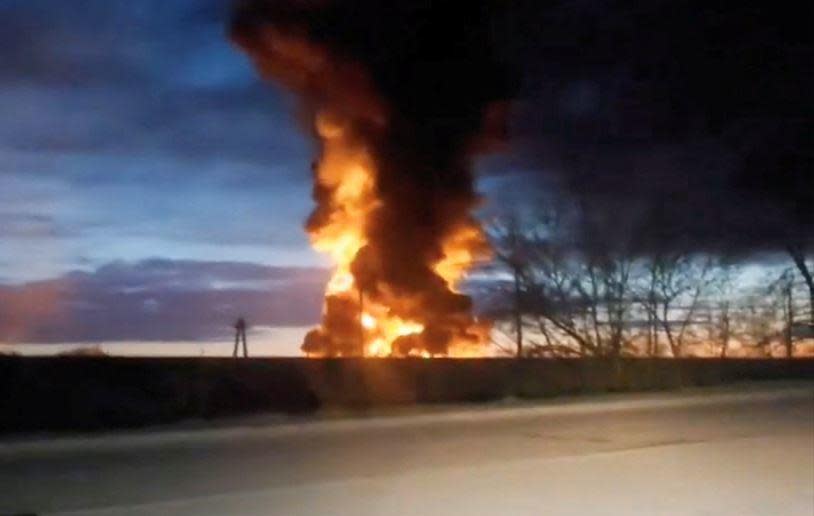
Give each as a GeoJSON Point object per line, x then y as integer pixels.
{"type": "Point", "coordinates": [707, 454]}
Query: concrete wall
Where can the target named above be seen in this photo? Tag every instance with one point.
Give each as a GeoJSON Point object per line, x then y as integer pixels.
{"type": "Point", "coordinates": [85, 393]}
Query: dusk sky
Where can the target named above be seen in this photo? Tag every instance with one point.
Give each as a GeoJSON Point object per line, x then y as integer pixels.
{"type": "Point", "coordinates": [138, 140]}
{"type": "Point", "coordinates": [150, 179]}
{"type": "Point", "coordinates": [134, 131]}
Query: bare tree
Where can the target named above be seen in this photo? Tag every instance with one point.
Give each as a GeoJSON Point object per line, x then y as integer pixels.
{"type": "Point", "coordinates": [724, 326]}
{"type": "Point", "coordinates": [510, 244]}
{"type": "Point", "coordinates": [678, 281]}
{"type": "Point", "coordinates": [563, 298]}
{"type": "Point", "coordinates": [650, 307]}
{"type": "Point", "coordinates": [783, 288]}
{"type": "Point", "coordinates": [568, 301]}
{"type": "Point", "coordinates": [798, 256]}
{"type": "Point", "coordinates": [756, 323]}
{"type": "Point", "coordinates": [720, 308]}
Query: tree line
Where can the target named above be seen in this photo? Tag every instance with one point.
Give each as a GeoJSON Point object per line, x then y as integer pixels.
{"type": "Point", "coordinates": [561, 296]}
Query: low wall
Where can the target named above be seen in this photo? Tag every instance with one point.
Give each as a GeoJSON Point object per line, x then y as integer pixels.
{"type": "Point", "coordinates": [86, 393]}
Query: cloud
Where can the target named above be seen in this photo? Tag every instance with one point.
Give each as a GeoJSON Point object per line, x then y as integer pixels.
{"type": "Point", "coordinates": [31, 226]}
{"type": "Point", "coordinates": [159, 299]}
{"type": "Point", "coordinates": [670, 123]}
{"type": "Point", "coordinates": [126, 78]}
{"type": "Point", "coordinates": [135, 129]}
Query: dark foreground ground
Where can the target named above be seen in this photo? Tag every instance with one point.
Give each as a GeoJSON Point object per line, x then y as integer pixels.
{"type": "Point", "coordinates": [739, 451]}
{"type": "Point", "coordinates": [97, 393]}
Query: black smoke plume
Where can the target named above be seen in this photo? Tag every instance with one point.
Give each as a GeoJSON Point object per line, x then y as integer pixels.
{"type": "Point", "coordinates": [416, 86]}
{"type": "Point", "coordinates": [669, 123]}
{"type": "Point", "coordinates": [672, 123]}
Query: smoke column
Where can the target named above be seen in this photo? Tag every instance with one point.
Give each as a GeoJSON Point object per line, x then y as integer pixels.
{"type": "Point", "coordinates": [400, 98]}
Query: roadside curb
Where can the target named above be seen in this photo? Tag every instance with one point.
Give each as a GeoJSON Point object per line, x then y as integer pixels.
{"type": "Point", "coordinates": [196, 437]}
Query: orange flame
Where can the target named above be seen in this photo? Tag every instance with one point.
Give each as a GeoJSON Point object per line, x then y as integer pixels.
{"type": "Point", "coordinates": [426, 318]}
{"type": "Point", "coordinates": [348, 173]}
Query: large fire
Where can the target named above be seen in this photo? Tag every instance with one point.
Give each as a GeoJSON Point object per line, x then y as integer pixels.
{"type": "Point", "coordinates": [348, 174]}
{"type": "Point", "coordinates": [398, 109]}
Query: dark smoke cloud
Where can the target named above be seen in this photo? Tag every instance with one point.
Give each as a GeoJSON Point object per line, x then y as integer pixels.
{"type": "Point", "coordinates": [672, 123]}
{"type": "Point", "coordinates": [667, 123]}
{"type": "Point", "coordinates": [417, 85]}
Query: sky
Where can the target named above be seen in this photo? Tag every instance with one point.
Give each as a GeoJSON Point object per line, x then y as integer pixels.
{"type": "Point", "coordinates": [136, 141]}
{"type": "Point", "coordinates": [150, 179]}
{"type": "Point", "coordinates": [133, 130]}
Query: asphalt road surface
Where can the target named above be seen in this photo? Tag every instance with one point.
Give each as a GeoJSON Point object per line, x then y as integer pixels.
{"type": "Point", "coordinates": [710, 454]}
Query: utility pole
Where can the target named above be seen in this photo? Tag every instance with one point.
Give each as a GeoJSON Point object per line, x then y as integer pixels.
{"type": "Point", "coordinates": [518, 312]}
{"type": "Point", "coordinates": [361, 322]}
{"type": "Point", "coordinates": [788, 294]}
{"type": "Point", "coordinates": [516, 267]}
{"type": "Point", "coordinates": [240, 335]}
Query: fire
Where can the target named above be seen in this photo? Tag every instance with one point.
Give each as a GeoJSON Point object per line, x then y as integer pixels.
{"type": "Point", "coordinates": [393, 185]}
{"type": "Point", "coordinates": [346, 175]}
{"type": "Point", "coordinates": [458, 254]}
{"type": "Point", "coordinates": [346, 172]}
